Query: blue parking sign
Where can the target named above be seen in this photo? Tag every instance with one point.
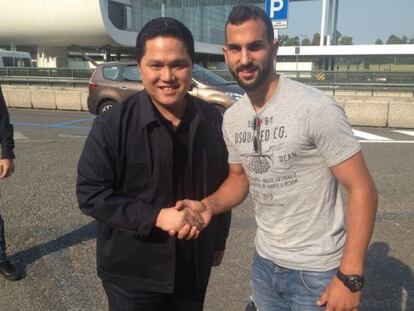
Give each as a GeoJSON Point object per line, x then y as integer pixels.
{"type": "Point", "coordinates": [277, 10]}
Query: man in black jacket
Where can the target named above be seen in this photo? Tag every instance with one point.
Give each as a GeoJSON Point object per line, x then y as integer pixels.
{"type": "Point", "coordinates": [159, 146]}
{"type": "Point", "coordinates": [6, 169]}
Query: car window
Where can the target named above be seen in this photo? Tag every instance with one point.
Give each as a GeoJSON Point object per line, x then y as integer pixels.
{"type": "Point", "coordinates": [110, 72]}
{"type": "Point", "coordinates": [207, 77]}
{"type": "Point", "coordinates": [131, 73]}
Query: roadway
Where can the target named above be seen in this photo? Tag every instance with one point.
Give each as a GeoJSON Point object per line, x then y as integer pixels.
{"type": "Point", "coordinates": [49, 237]}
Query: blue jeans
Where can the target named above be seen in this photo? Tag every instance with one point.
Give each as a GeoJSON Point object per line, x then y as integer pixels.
{"type": "Point", "coordinates": [275, 288]}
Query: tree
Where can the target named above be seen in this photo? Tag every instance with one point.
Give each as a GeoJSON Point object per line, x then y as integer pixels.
{"type": "Point", "coordinates": [393, 39]}
{"type": "Point", "coordinates": [316, 39]}
{"type": "Point", "coordinates": [283, 39]}
{"type": "Point", "coordinates": [379, 41]}
{"type": "Point", "coordinates": [306, 42]}
{"type": "Point", "coordinates": [412, 41]}
{"type": "Point", "coordinates": [345, 40]}
{"type": "Point", "coordinates": [404, 40]}
{"type": "Point", "coordinates": [292, 41]}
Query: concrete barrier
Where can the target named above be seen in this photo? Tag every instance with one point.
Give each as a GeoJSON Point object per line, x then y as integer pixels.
{"type": "Point", "coordinates": [379, 109]}
{"type": "Point", "coordinates": [393, 93]}
{"type": "Point", "coordinates": [43, 97]}
{"type": "Point", "coordinates": [20, 97]}
{"type": "Point", "coordinates": [401, 114]}
{"type": "Point", "coordinates": [367, 113]}
{"type": "Point", "coordinates": [68, 100]}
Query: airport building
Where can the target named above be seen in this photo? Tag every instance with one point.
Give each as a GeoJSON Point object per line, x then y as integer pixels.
{"type": "Point", "coordinates": [58, 32]}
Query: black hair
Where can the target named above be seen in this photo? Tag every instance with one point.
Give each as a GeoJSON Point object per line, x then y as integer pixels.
{"type": "Point", "coordinates": [243, 13]}
{"type": "Point", "coordinates": [164, 27]}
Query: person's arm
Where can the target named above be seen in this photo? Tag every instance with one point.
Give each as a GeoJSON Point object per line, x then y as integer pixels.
{"type": "Point", "coordinates": [353, 174]}
{"type": "Point", "coordinates": [6, 141]}
{"type": "Point", "coordinates": [6, 131]}
{"type": "Point", "coordinates": [231, 193]}
{"type": "Point", "coordinates": [99, 197]}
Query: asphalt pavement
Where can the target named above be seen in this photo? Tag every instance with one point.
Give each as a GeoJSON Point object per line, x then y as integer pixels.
{"type": "Point", "coordinates": [53, 242]}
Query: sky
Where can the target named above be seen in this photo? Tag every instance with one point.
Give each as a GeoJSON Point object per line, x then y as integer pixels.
{"type": "Point", "coordinates": [364, 20]}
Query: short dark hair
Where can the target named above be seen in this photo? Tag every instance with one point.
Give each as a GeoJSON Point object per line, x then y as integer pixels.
{"type": "Point", "coordinates": [243, 13]}
{"type": "Point", "coordinates": [164, 27]}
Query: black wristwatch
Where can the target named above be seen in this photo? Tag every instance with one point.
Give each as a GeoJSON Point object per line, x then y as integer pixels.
{"type": "Point", "coordinates": [352, 281]}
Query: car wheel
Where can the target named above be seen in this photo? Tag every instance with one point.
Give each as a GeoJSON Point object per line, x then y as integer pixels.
{"type": "Point", "coordinates": [106, 105]}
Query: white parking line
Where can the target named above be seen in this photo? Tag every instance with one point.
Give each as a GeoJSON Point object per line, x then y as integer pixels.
{"type": "Point", "coordinates": [410, 133]}
{"type": "Point", "coordinates": [369, 136]}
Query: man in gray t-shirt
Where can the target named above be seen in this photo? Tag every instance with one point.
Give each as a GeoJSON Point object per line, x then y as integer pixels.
{"type": "Point", "coordinates": [300, 133]}
{"type": "Point", "coordinates": [293, 146]}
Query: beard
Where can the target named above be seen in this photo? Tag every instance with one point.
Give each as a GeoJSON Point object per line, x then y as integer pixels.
{"type": "Point", "coordinates": [262, 74]}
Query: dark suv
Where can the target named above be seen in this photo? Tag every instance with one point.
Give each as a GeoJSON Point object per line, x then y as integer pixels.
{"type": "Point", "coordinates": [113, 82]}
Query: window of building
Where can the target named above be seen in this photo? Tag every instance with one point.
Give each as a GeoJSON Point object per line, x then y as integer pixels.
{"type": "Point", "coordinates": [120, 15]}
{"type": "Point", "coordinates": [8, 61]}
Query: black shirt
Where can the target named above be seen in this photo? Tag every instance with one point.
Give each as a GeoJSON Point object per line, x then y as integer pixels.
{"type": "Point", "coordinates": [125, 176]}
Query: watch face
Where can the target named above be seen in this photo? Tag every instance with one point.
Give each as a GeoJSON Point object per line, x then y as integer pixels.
{"type": "Point", "coordinates": [355, 283]}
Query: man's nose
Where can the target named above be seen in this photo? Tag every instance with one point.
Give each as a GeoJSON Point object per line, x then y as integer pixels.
{"type": "Point", "coordinates": [167, 74]}
{"type": "Point", "coordinates": [245, 57]}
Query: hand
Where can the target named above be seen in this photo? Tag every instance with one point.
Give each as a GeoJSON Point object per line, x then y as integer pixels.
{"type": "Point", "coordinates": [200, 209]}
{"type": "Point", "coordinates": [217, 258]}
{"type": "Point", "coordinates": [338, 297]}
{"type": "Point", "coordinates": [173, 220]}
{"type": "Point", "coordinates": [6, 168]}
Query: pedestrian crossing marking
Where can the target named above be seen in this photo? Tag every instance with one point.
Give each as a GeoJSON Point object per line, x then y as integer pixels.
{"type": "Point", "coordinates": [410, 133]}
{"type": "Point", "coordinates": [369, 136]}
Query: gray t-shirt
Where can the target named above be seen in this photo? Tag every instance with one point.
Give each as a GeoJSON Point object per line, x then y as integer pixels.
{"type": "Point", "coordinates": [299, 210]}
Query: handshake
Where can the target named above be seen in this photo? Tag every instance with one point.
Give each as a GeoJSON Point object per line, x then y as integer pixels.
{"type": "Point", "coordinates": [185, 220]}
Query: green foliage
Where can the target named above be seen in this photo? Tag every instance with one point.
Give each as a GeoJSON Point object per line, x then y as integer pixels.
{"type": "Point", "coordinates": [393, 39]}
{"type": "Point", "coordinates": [292, 41]}
{"type": "Point", "coordinates": [316, 39]}
{"type": "Point", "coordinates": [306, 42]}
{"type": "Point", "coordinates": [345, 40]}
{"type": "Point", "coordinates": [283, 39]}
{"type": "Point", "coordinates": [379, 41]}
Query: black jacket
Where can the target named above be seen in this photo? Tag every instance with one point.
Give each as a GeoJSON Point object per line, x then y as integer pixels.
{"type": "Point", "coordinates": [6, 131]}
{"type": "Point", "coordinates": [125, 178]}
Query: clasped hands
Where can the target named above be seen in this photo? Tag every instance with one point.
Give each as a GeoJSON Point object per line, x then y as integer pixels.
{"type": "Point", "coordinates": [185, 220]}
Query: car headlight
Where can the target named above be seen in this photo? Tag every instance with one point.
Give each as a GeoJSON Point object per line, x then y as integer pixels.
{"type": "Point", "coordinates": [233, 96]}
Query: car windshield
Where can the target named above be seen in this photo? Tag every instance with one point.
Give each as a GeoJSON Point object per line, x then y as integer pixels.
{"type": "Point", "coordinates": [207, 77]}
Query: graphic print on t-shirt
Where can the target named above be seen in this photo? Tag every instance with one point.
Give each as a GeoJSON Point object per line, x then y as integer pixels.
{"type": "Point", "coordinates": [260, 161]}
{"type": "Point", "coordinates": [269, 162]}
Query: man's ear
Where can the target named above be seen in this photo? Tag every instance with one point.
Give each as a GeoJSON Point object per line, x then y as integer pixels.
{"type": "Point", "coordinates": [275, 48]}
{"type": "Point", "coordinates": [224, 49]}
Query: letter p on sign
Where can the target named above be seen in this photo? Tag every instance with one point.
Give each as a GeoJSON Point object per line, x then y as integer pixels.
{"type": "Point", "coordinates": [275, 6]}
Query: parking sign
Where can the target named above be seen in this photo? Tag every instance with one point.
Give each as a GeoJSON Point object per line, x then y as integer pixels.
{"type": "Point", "coordinates": [277, 10]}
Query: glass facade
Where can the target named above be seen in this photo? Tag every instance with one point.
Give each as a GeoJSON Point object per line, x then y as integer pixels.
{"type": "Point", "coordinates": [205, 18]}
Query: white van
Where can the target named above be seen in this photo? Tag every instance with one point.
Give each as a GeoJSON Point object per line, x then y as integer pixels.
{"type": "Point", "coordinates": [15, 59]}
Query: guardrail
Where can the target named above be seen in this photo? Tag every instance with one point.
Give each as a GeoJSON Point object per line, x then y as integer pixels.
{"type": "Point", "coordinates": [329, 80]}
{"type": "Point", "coordinates": [45, 76]}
